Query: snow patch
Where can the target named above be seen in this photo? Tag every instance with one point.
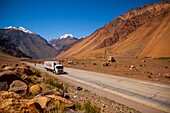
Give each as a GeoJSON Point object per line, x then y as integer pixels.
{"type": "Point", "coordinates": [20, 28]}
{"type": "Point", "coordinates": [66, 36]}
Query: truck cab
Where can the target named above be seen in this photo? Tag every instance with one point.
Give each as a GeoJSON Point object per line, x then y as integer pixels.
{"type": "Point", "coordinates": [59, 69]}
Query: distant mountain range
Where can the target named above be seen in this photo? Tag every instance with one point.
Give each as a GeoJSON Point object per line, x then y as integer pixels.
{"type": "Point", "coordinates": [19, 42]}
{"type": "Point", "coordinates": [143, 32]}
{"type": "Point", "coordinates": [62, 43]}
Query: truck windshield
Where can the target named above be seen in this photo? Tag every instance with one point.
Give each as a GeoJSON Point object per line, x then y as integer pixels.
{"type": "Point", "coordinates": [59, 67]}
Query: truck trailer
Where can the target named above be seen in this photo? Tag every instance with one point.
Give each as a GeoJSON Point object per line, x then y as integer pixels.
{"type": "Point", "coordinates": [54, 67]}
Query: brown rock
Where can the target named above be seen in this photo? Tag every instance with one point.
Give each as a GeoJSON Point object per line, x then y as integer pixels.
{"type": "Point", "coordinates": [24, 69]}
{"type": "Point", "coordinates": [167, 75]}
{"type": "Point", "coordinates": [9, 68]}
{"type": "Point", "coordinates": [42, 100]}
{"type": "Point", "coordinates": [105, 64]}
{"type": "Point", "coordinates": [47, 103]}
{"type": "Point", "coordinates": [53, 91]}
{"type": "Point", "coordinates": [3, 86]}
{"type": "Point", "coordinates": [143, 61]}
{"type": "Point", "coordinates": [131, 67]}
{"type": "Point", "coordinates": [70, 62]}
{"type": "Point", "coordinates": [8, 76]}
{"type": "Point", "coordinates": [3, 65]}
{"type": "Point", "coordinates": [28, 71]}
{"type": "Point", "coordinates": [6, 94]}
{"type": "Point", "coordinates": [111, 59]}
{"type": "Point", "coordinates": [12, 102]}
{"type": "Point", "coordinates": [67, 103]}
{"type": "Point", "coordinates": [35, 89]}
{"type": "Point", "coordinates": [18, 87]}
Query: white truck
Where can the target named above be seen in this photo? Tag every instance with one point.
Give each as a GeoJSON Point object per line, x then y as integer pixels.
{"type": "Point", "coordinates": [54, 66]}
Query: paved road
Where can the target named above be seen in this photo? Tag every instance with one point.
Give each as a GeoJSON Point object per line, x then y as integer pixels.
{"type": "Point", "coordinates": [146, 97]}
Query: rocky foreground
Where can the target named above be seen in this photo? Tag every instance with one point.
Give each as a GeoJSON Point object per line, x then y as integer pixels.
{"type": "Point", "coordinates": [24, 89]}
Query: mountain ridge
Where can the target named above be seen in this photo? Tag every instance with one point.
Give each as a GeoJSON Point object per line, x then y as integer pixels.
{"type": "Point", "coordinates": [63, 42]}
{"type": "Point", "coordinates": [27, 42]}
{"type": "Point", "coordinates": [115, 31]}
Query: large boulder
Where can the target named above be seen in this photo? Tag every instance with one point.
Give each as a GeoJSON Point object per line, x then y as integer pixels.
{"type": "Point", "coordinates": [28, 71]}
{"type": "Point", "coordinates": [43, 101]}
{"type": "Point", "coordinates": [35, 89]}
{"type": "Point", "coordinates": [67, 103]}
{"type": "Point", "coordinates": [24, 69]}
{"type": "Point", "coordinates": [11, 102]}
{"type": "Point", "coordinates": [6, 94]}
{"type": "Point", "coordinates": [9, 76]}
{"type": "Point", "coordinates": [3, 86]}
{"type": "Point", "coordinates": [50, 102]}
{"type": "Point", "coordinates": [19, 87]}
{"type": "Point", "coordinates": [54, 91]}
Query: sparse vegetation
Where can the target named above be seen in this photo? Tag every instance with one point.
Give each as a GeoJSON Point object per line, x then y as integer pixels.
{"type": "Point", "coordinates": [55, 83]}
{"type": "Point", "coordinates": [37, 73]}
{"type": "Point", "coordinates": [88, 108]}
{"type": "Point", "coordinates": [163, 58]}
{"type": "Point", "coordinates": [78, 106]}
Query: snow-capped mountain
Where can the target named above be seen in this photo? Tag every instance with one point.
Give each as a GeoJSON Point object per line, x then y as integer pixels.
{"type": "Point", "coordinates": [63, 42]}
{"type": "Point", "coordinates": [20, 28]}
{"type": "Point", "coordinates": [20, 42]}
{"type": "Point", "coordinates": [66, 36]}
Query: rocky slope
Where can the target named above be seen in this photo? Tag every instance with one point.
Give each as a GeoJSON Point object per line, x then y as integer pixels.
{"type": "Point", "coordinates": [19, 42]}
{"type": "Point", "coordinates": [119, 30]}
{"type": "Point", "coordinates": [62, 43]}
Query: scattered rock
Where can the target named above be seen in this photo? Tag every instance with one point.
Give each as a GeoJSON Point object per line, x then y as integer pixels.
{"type": "Point", "coordinates": [111, 59]}
{"type": "Point", "coordinates": [66, 96]}
{"type": "Point", "coordinates": [16, 65]}
{"type": "Point", "coordinates": [167, 75]}
{"type": "Point", "coordinates": [3, 86]}
{"type": "Point", "coordinates": [9, 68]}
{"type": "Point", "coordinates": [75, 96]}
{"type": "Point", "coordinates": [166, 67]}
{"type": "Point", "coordinates": [70, 62]}
{"type": "Point", "coordinates": [105, 64]}
{"type": "Point", "coordinates": [3, 65]}
{"type": "Point", "coordinates": [35, 89]}
{"type": "Point", "coordinates": [94, 63]}
{"type": "Point", "coordinates": [131, 67]}
{"type": "Point", "coordinates": [143, 61]}
{"type": "Point", "coordinates": [79, 88]}
{"type": "Point", "coordinates": [19, 87]}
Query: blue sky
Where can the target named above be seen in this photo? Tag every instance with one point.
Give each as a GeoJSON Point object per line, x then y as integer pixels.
{"type": "Point", "coordinates": [53, 18]}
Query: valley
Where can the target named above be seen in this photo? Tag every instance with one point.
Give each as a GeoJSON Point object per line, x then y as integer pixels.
{"type": "Point", "coordinates": [153, 97]}
{"type": "Point", "coordinates": [122, 67]}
